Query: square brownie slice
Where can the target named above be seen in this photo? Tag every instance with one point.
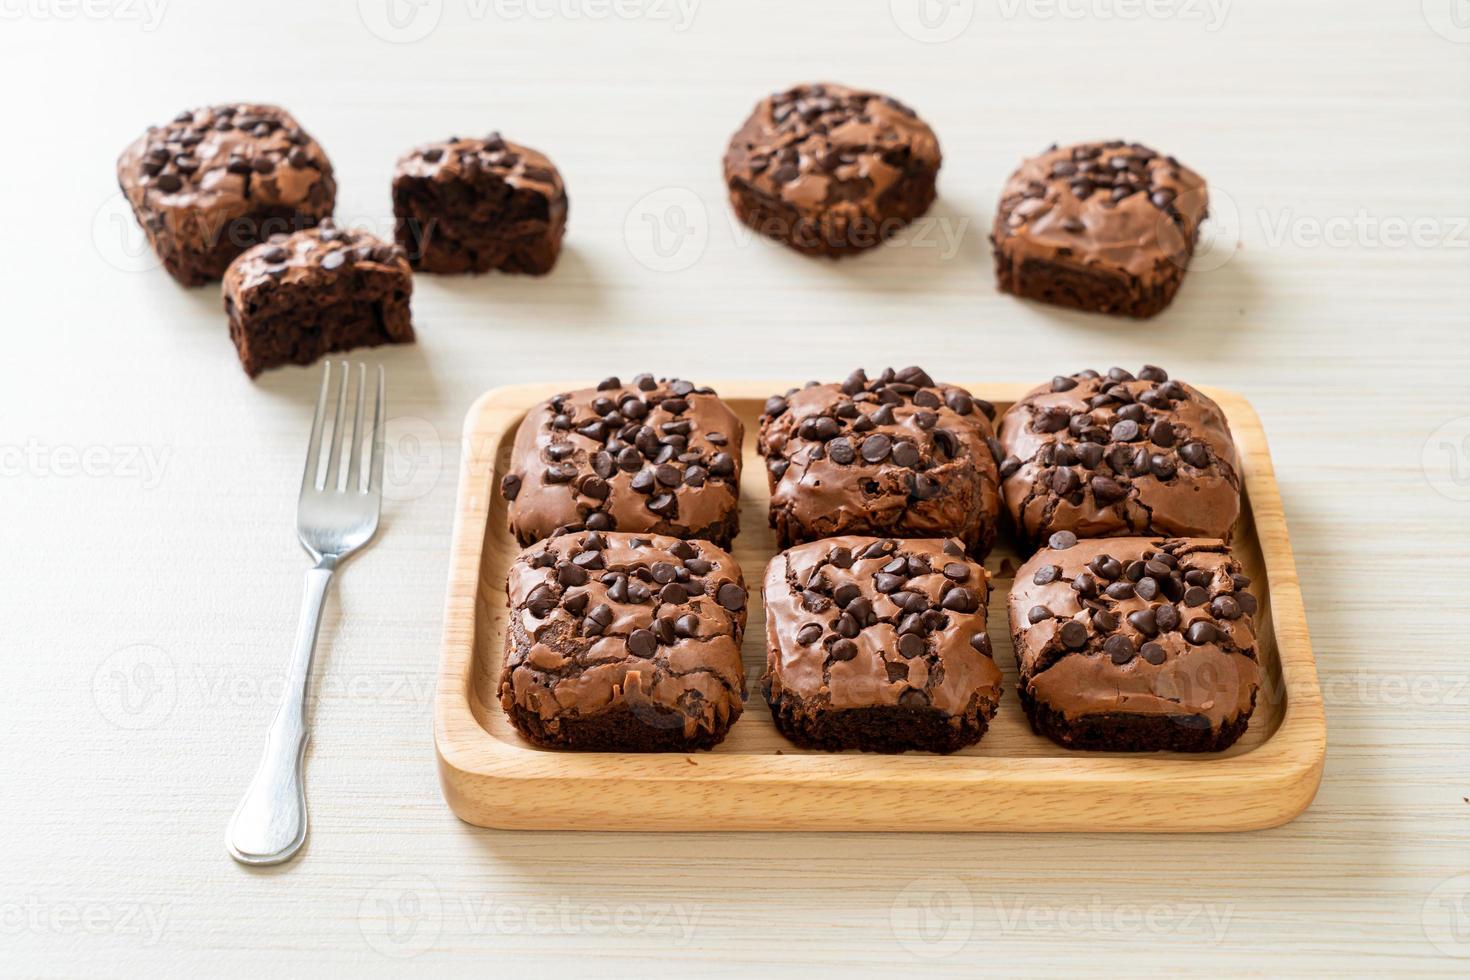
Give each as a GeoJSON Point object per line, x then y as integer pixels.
{"type": "Point", "coordinates": [1119, 454]}
{"type": "Point", "coordinates": [624, 643]}
{"type": "Point", "coordinates": [472, 205]}
{"type": "Point", "coordinates": [222, 179]}
{"type": "Point", "coordinates": [300, 296]}
{"type": "Point", "coordinates": [879, 644]}
{"type": "Point", "coordinates": [660, 456]}
{"type": "Point", "coordinates": [1104, 227]}
{"type": "Point", "coordinates": [897, 455]}
{"type": "Point", "coordinates": [1135, 644]}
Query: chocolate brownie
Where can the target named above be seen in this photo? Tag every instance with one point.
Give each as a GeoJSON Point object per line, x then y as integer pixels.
{"type": "Point", "coordinates": [1105, 227]}
{"type": "Point", "coordinates": [1135, 644]}
{"type": "Point", "coordinates": [472, 205]}
{"type": "Point", "coordinates": [879, 644]}
{"type": "Point", "coordinates": [222, 179]}
{"type": "Point", "coordinates": [896, 455]}
{"type": "Point", "coordinates": [1115, 454]}
{"type": "Point", "coordinates": [624, 643]}
{"type": "Point", "coordinates": [659, 456]}
{"type": "Point", "coordinates": [327, 289]}
{"type": "Point", "coordinates": [830, 170]}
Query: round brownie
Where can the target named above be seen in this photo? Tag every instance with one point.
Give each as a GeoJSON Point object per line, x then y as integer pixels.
{"type": "Point", "coordinates": [1104, 227]}
{"type": "Point", "coordinates": [1118, 454]}
{"type": "Point", "coordinates": [831, 170]}
{"type": "Point", "coordinates": [219, 180]}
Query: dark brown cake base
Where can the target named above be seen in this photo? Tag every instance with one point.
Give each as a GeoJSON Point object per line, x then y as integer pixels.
{"type": "Point", "coordinates": [978, 539]}
{"type": "Point", "coordinates": [824, 233]}
{"type": "Point", "coordinates": [204, 262]}
{"type": "Point", "coordinates": [720, 534]}
{"type": "Point", "coordinates": [620, 729]}
{"type": "Point", "coordinates": [454, 229]}
{"type": "Point", "coordinates": [874, 729]}
{"type": "Point", "coordinates": [307, 333]}
{"type": "Point", "coordinates": [1117, 732]}
{"type": "Point", "coordinates": [1092, 290]}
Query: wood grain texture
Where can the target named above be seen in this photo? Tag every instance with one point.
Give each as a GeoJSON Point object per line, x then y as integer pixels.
{"type": "Point", "coordinates": [117, 781]}
{"type": "Point", "coordinates": [757, 780]}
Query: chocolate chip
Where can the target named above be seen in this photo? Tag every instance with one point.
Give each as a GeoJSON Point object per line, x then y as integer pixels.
{"type": "Point", "coordinates": [510, 486]}
{"type": "Point", "coordinates": [1106, 490]}
{"type": "Point", "coordinates": [541, 602]}
{"type": "Point", "coordinates": [1147, 588]}
{"type": "Point", "coordinates": [776, 405]}
{"type": "Point", "coordinates": [1126, 431]}
{"type": "Point", "coordinates": [1046, 574]}
{"type": "Point", "coordinates": [1144, 621]}
{"type": "Point", "coordinates": [642, 643]}
{"type": "Point", "coordinates": [687, 626]}
{"type": "Point", "coordinates": [875, 448]}
{"type": "Point", "coordinates": [1038, 614]}
{"type": "Point", "coordinates": [911, 645]}
{"type": "Point", "coordinates": [1201, 632]}
{"type": "Point", "coordinates": [1166, 618]}
{"type": "Point", "coordinates": [960, 599]}
{"type": "Point", "coordinates": [731, 596]}
{"type": "Point", "coordinates": [663, 504]}
{"type": "Point", "coordinates": [887, 583]}
{"type": "Point", "coordinates": [1196, 595]}
{"type": "Point", "coordinates": [1062, 540]}
{"type": "Point", "coordinates": [1074, 635]}
{"type": "Point", "coordinates": [1225, 607]}
{"type": "Point", "coordinates": [808, 634]}
{"type": "Point", "coordinates": [958, 571]}
{"type": "Point", "coordinates": [1195, 454]}
{"type": "Point", "coordinates": [841, 451]}
{"type": "Point", "coordinates": [1153, 653]}
{"type": "Point", "coordinates": [1120, 648]}
{"type": "Point", "coordinates": [981, 643]}
{"type": "Point", "coordinates": [843, 649]}
{"type": "Point", "coordinates": [569, 574]}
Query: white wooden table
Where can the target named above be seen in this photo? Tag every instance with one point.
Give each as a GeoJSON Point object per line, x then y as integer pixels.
{"type": "Point", "coordinates": [151, 575]}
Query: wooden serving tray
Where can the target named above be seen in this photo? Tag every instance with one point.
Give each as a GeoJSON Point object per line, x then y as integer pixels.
{"type": "Point", "coordinates": [756, 780]}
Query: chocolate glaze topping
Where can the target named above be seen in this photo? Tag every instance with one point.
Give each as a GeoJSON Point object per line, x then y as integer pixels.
{"type": "Point", "coordinates": [652, 455]}
{"type": "Point", "coordinates": [1114, 204]}
{"type": "Point", "coordinates": [1148, 626]}
{"type": "Point", "coordinates": [897, 454]}
{"type": "Point", "coordinates": [217, 180]}
{"type": "Point", "coordinates": [855, 622]}
{"type": "Point", "coordinates": [1119, 454]}
{"type": "Point", "coordinates": [603, 621]}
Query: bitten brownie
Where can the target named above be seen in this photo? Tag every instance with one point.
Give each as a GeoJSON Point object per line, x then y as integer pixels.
{"type": "Point", "coordinates": [657, 456]}
{"type": "Point", "coordinates": [222, 179]}
{"type": "Point", "coordinates": [300, 296]}
{"type": "Point", "coordinates": [879, 644]}
{"type": "Point", "coordinates": [1105, 227]}
{"type": "Point", "coordinates": [624, 643]}
{"type": "Point", "coordinates": [830, 170]}
{"type": "Point", "coordinates": [472, 205]}
{"type": "Point", "coordinates": [898, 455]}
{"type": "Point", "coordinates": [1135, 644]}
{"type": "Point", "coordinates": [1115, 454]}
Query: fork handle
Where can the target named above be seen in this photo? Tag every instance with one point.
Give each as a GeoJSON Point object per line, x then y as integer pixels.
{"type": "Point", "coordinates": [269, 825]}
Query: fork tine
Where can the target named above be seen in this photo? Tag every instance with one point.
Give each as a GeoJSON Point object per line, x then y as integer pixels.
{"type": "Point", "coordinates": [334, 461]}
{"type": "Point", "coordinates": [314, 447]}
{"type": "Point", "coordinates": [380, 422]}
{"type": "Point", "coordinates": [354, 468]}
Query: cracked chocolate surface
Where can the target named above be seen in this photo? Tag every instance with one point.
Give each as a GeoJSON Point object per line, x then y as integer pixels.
{"type": "Point", "coordinates": [660, 456]}
{"type": "Point", "coordinates": [831, 170]}
{"type": "Point", "coordinates": [898, 454]}
{"type": "Point", "coordinates": [476, 204]}
{"type": "Point", "coordinates": [218, 180]}
{"type": "Point", "coordinates": [1118, 454]}
{"type": "Point", "coordinates": [859, 623]}
{"type": "Point", "coordinates": [300, 296]}
{"type": "Point", "coordinates": [1107, 227]}
{"type": "Point", "coordinates": [1114, 630]}
{"type": "Point", "coordinates": [622, 641]}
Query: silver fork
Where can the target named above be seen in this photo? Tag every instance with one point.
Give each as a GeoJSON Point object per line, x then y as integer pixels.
{"type": "Point", "coordinates": [335, 516]}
